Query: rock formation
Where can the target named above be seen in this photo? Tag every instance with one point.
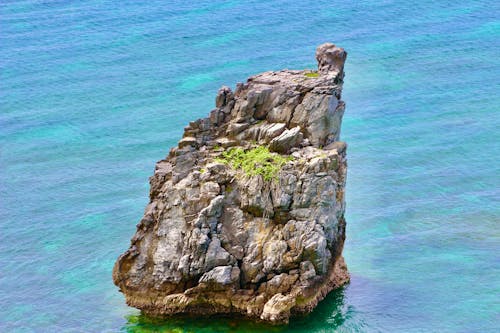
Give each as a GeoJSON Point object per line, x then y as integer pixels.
{"type": "Point", "coordinates": [246, 214]}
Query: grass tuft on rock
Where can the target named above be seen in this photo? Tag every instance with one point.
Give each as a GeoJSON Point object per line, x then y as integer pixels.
{"type": "Point", "coordinates": [312, 74]}
{"type": "Point", "coordinates": [255, 161]}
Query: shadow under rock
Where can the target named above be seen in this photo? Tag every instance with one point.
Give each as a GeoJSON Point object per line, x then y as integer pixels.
{"type": "Point", "coordinates": [330, 314]}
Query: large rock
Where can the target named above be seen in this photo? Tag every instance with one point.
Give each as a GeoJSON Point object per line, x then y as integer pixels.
{"type": "Point", "coordinates": [287, 140]}
{"type": "Point", "coordinates": [217, 239]}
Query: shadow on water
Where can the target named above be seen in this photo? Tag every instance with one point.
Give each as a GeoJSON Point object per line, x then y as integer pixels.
{"type": "Point", "coordinates": [331, 314]}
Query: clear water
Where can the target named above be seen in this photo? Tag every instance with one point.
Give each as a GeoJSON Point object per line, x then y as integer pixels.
{"type": "Point", "coordinates": [93, 92]}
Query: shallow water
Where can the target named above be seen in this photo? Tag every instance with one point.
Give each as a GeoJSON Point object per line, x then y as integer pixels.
{"type": "Point", "coordinates": [92, 93]}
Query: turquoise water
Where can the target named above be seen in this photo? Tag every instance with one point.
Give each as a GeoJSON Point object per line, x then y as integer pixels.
{"type": "Point", "coordinates": [92, 93]}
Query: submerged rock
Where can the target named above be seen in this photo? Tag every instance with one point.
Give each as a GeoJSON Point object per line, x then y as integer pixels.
{"type": "Point", "coordinates": [233, 227]}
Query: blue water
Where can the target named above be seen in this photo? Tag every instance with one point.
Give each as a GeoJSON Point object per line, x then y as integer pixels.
{"type": "Point", "coordinates": [92, 93]}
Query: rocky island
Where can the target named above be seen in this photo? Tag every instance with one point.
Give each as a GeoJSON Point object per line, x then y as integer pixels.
{"type": "Point", "coordinates": [246, 214]}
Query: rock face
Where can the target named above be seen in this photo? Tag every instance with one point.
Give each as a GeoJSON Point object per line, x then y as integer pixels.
{"type": "Point", "coordinates": [217, 239]}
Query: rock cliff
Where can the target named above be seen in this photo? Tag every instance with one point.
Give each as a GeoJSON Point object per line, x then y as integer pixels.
{"type": "Point", "coordinates": [246, 214]}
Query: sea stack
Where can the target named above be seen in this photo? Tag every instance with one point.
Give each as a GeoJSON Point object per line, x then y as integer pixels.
{"type": "Point", "coordinates": [246, 214]}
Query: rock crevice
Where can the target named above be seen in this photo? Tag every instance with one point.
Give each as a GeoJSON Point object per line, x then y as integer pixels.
{"type": "Point", "coordinates": [218, 238]}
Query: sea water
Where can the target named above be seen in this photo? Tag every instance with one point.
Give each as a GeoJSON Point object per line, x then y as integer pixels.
{"type": "Point", "coordinates": [93, 92]}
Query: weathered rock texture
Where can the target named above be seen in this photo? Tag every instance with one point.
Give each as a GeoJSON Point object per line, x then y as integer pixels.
{"type": "Point", "coordinates": [215, 240]}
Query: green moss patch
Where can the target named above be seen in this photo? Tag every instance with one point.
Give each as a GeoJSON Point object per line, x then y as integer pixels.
{"type": "Point", "coordinates": [312, 74]}
{"type": "Point", "coordinates": [255, 161]}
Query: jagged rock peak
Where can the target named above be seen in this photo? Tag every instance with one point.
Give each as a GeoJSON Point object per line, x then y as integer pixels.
{"type": "Point", "coordinates": [246, 214]}
{"type": "Point", "coordinates": [330, 58]}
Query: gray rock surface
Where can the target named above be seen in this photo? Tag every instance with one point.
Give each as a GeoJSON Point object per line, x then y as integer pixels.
{"type": "Point", "coordinates": [215, 239]}
{"type": "Point", "coordinates": [286, 141]}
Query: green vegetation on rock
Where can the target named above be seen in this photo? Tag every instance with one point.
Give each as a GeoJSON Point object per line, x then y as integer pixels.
{"type": "Point", "coordinates": [255, 161]}
{"type": "Point", "coordinates": [312, 74]}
